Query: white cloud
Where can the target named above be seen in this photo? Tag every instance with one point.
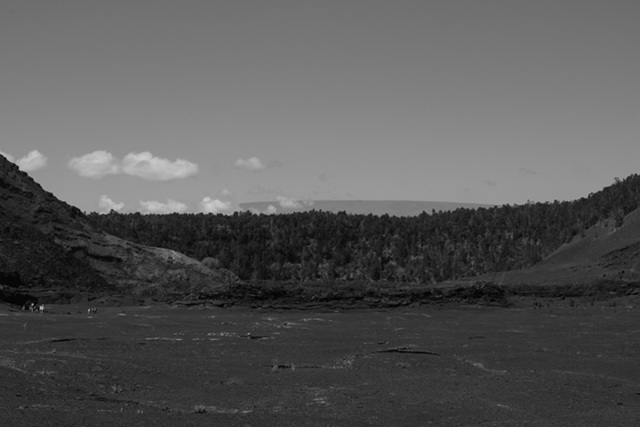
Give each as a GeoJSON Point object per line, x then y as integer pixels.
{"type": "Point", "coordinates": [155, 207]}
{"type": "Point", "coordinates": [215, 206]}
{"type": "Point", "coordinates": [288, 202]}
{"type": "Point", "coordinates": [145, 165]}
{"type": "Point", "coordinates": [95, 165]}
{"type": "Point", "coordinates": [107, 205]}
{"type": "Point", "coordinates": [253, 164]}
{"type": "Point", "coordinates": [270, 210]}
{"type": "Point", "coordinates": [29, 163]}
{"type": "Point", "coordinates": [292, 202]}
{"type": "Point", "coordinates": [32, 161]}
{"type": "Point", "coordinates": [226, 193]}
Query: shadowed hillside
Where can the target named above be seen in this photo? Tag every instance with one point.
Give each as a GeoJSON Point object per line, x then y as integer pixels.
{"type": "Point", "coordinates": [50, 252]}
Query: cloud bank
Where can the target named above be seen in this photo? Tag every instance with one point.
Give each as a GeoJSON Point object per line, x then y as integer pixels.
{"type": "Point", "coordinates": [292, 202]}
{"type": "Point", "coordinates": [146, 166]}
{"type": "Point", "coordinates": [170, 206]}
{"type": "Point", "coordinates": [215, 206]}
{"type": "Point", "coordinates": [142, 165]}
{"type": "Point", "coordinates": [107, 205]}
{"type": "Point", "coordinates": [95, 165]}
{"type": "Point", "coordinates": [31, 162]}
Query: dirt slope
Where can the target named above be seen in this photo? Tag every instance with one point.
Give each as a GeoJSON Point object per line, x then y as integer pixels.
{"type": "Point", "coordinates": [600, 242]}
{"type": "Point", "coordinates": [603, 252]}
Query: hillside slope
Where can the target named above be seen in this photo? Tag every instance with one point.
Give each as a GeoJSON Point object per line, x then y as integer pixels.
{"type": "Point", "coordinates": [602, 252]}
{"type": "Point", "coordinates": [49, 246]}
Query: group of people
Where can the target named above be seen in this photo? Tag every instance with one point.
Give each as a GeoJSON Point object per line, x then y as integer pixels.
{"type": "Point", "coordinates": [33, 307]}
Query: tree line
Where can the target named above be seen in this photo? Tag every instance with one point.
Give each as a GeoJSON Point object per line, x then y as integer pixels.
{"type": "Point", "coordinates": [430, 247]}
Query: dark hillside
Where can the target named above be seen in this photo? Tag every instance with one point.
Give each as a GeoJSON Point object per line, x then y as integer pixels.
{"type": "Point", "coordinates": [50, 252]}
{"type": "Point", "coordinates": [29, 254]}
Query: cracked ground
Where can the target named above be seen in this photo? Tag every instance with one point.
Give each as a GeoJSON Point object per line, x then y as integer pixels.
{"type": "Point", "coordinates": [466, 365]}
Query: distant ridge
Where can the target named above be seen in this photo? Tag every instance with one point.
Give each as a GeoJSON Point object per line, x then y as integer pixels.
{"type": "Point", "coordinates": [361, 207]}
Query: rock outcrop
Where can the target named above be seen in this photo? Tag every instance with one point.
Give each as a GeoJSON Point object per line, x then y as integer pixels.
{"type": "Point", "coordinates": [49, 248]}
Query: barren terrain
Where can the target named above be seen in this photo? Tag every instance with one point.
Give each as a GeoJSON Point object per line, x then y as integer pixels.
{"type": "Point", "coordinates": [539, 362]}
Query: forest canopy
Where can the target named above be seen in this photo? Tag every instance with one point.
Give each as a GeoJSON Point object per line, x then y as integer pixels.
{"type": "Point", "coordinates": [430, 247]}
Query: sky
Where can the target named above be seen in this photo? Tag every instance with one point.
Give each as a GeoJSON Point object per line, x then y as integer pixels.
{"type": "Point", "coordinates": [160, 106]}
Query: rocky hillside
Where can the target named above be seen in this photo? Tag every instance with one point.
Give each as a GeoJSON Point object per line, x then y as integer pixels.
{"type": "Point", "coordinates": [50, 252]}
{"type": "Point", "coordinates": [606, 252]}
